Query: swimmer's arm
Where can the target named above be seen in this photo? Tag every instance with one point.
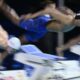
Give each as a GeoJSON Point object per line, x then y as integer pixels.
{"type": "Point", "coordinates": [10, 13]}
{"type": "Point", "coordinates": [33, 15]}
{"type": "Point", "coordinates": [36, 14]}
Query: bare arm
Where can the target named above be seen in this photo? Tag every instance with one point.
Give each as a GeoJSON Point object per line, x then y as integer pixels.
{"type": "Point", "coordinates": [32, 15]}
{"type": "Point", "coordinates": [10, 13]}
{"type": "Point", "coordinates": [39, 13]}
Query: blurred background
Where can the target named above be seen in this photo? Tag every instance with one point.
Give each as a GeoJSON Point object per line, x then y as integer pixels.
{"type": "Point", "coordinates": [49, 42]}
